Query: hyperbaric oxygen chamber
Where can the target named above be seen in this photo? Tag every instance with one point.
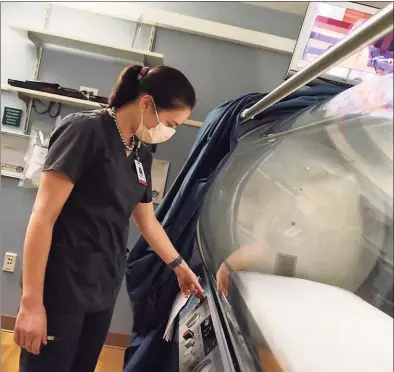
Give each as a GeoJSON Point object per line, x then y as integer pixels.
{"type": "Point", "coordinates": [313, 201]}
{"type": "Point", "coordinates": [301, 220]}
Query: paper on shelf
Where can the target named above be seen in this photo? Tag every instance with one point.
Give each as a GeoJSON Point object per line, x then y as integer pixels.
{"type": "Point", "coordinates": [36, 164]}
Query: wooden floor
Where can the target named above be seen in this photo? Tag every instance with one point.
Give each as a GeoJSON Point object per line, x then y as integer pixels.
{"type": "Point", "coordinates": [111, 359]}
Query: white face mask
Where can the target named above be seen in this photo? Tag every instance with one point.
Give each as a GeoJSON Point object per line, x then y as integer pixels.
{"type": "Point", "coordinates": [158, 134]}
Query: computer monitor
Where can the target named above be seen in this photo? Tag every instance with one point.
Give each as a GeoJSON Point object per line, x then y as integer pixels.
{"type": "Point", "coordinates": [325, 24]}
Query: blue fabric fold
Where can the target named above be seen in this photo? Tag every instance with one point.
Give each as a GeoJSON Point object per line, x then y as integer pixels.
{"type": "Point", "coordinates": [151, 286]}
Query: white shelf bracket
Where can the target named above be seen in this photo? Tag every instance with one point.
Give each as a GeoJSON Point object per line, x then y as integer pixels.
{"type": "Point", "coordinates": [40, 50]}
{"type": "Point", "coordinates": [152, 38]}
{"type": "Point", "coordinates": [137, 31]}
{"type": "Point", "coordinates": [24, 98]}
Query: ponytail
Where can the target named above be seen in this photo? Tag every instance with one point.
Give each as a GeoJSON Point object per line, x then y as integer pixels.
{"type": "Point", "coordinates": [126, 88]}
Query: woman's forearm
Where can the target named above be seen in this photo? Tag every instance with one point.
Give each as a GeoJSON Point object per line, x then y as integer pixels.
{"type": "Point", "coordinates": [247, 257]}
{"type": "Point", "coordinates": [158, 240]}
{"type": "Point", "coordinates": [35, 256]}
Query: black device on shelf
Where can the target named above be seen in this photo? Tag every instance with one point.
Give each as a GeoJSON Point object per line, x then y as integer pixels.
{"type": "Point", "coordinates": [35, 85]}
{"type": "Point", "coordinates": [54, 88]}
{"type": "Point", "coordinates": [98, 99]}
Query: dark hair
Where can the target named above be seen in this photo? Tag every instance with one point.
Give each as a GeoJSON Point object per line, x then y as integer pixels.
{"type": "Point", "coordinates": [169, 88]}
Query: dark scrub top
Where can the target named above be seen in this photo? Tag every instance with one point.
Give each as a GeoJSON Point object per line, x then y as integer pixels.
{"type": "Point", "coordinates": [87, 256]}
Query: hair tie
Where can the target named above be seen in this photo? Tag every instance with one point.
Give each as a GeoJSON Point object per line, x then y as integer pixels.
{"type": "Point", "coordinates": [143, 72]}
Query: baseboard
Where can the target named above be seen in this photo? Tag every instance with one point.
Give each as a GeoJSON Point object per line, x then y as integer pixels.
{"type": "Point", "coordinates": [8, 322]}
{"type": "Point", "coordinates": [117, 340]}
{"type": "Point", "coordinates": [113, 339]}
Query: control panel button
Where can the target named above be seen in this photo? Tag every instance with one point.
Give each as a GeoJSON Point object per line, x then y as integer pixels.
{"type": "Point", "coordinates": [189, 343]}
{"type": "Point", "coordinates": [188, 334]}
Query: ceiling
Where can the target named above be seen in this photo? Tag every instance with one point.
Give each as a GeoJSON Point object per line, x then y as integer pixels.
{"type": "Point", "coordinates": [298, 7]}
{"type": "Point", "coordinates": [295, 7]}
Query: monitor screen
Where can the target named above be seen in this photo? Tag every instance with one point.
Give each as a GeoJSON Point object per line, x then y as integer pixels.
{"type": "Point", "coordinates": [325, 24]}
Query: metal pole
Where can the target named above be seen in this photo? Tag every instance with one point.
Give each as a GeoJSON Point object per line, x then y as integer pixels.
{"type": "Point", "coordinates": [377, 26]}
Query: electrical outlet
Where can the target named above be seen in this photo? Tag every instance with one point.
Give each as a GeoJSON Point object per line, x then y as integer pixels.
{"type": "Point", "coordinates": [9, 262]}
{"type": "Point", "coordinates": [87, 89]}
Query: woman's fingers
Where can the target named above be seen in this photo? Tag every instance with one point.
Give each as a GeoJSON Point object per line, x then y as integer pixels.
{"type": "Point", "coordinates": [198, 288]}
{"type": "Point", "coordinates": [36, 344]}
{"type": "Point", "coordinates": [195, 286]}
{"type": "Point", "coordinates": [222, 280]}
{"type": "Point", "coordinates": [17, 337]}
{"type": "Point", "coordinates": [29, 340]}
{"type": "Point", "coordinates": [190, 285]}
{"type": "Point", "coordinates": [22, 339]}
{"type": "Point", "coordinates": [44, 336]}
{"type": "Point", "coordinates": [189, 290]}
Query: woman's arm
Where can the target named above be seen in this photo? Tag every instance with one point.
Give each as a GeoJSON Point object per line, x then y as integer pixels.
{"type": "Point", "coordinates": [30, 328]}
{"type": "Point", "coordinates": [145, 219]}
{"type": "Point", "coordinates": [247, 257]}
{"type": "Point", "coordinates": [53, 192]}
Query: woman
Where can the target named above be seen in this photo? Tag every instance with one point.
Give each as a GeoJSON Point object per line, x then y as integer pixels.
{"type": "Point", "coordinates": [96, 176]}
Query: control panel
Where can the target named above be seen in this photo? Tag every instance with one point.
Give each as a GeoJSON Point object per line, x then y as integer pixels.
{"type": "Point", "coordinates": [198, 343]}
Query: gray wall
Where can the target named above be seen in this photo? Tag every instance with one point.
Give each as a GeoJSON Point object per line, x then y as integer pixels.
{"type": "Point", "coordinates": [218, 70]}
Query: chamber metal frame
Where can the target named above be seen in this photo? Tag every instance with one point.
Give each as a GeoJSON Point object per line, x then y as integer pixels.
{"type": "Point", "coordinates": [376, 27]}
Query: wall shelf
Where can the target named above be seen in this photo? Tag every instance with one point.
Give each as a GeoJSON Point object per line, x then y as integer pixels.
{"type": "Point", "coordinates": [10, 174]}
{"type": "Point", "coordinates": [15, 134]}
{"type": "Point", "coordinates": [42, 37]}
{"type": "Point", "coordinates": [30, 93]}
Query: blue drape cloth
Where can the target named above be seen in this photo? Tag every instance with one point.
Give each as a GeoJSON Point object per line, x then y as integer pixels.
{"type": "Point", "coordinates": [151, 286]}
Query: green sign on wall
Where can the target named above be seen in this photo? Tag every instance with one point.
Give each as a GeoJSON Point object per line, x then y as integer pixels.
{"type": "Point", "coordinates": [12, 116]}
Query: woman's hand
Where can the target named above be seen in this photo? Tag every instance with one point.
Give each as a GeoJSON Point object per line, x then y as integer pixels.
{"type": "Point", "coordinates": [222, 277]}
{"type": "Point", "coordinates": [188, 281]}
{"type": "Point", "coordinates": [31, 327]}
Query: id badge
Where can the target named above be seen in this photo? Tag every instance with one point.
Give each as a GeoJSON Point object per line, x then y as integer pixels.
{"type": "Point", "coordinates": [140, 172]}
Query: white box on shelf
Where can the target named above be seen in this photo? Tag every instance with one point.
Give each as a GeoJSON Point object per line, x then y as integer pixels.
{"type": "Point", "coordinates": [13, 150]}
